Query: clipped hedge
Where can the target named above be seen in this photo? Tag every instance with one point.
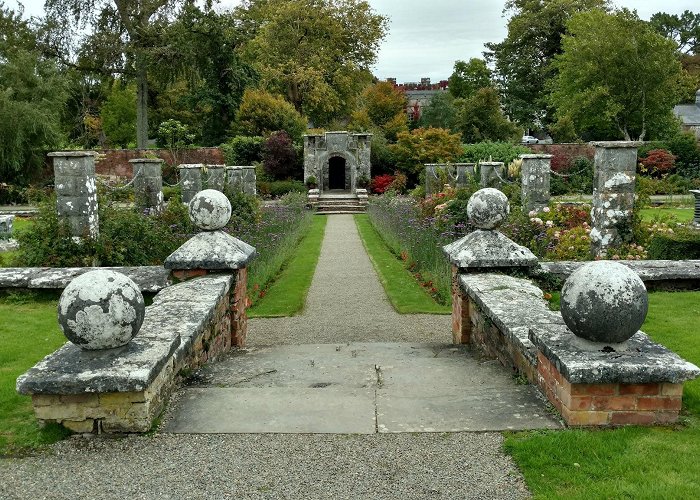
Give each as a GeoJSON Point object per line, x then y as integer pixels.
{"type": "Point", "coordinates": [276, 189]}
{"type": "Point", "coordinates": [684, 244]}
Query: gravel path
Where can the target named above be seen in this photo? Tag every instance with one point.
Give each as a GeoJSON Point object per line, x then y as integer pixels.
{"type": "Point", "coordinates": [346, 302]}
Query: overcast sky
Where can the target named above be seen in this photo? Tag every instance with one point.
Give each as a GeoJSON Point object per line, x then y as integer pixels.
{"type": "Point", "coordinates": [426, 37]}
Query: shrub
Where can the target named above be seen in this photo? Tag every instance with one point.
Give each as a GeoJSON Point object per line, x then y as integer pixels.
{"type": "Point", "coordinates": [11, 194]}
{"type": "Point", "coordinates": [676, 244]}
{"type": "Point", "coordinates": [425, 145]}
{"type": "Point", "coordinates": [658, 162]}
{"type": "Point", "coordinates": [381, 183]}
{"type": "Point", "coordinates": [279, 156]}
{"type": "Point", "coordinates": [262, 113]}
{"type": "Point", "coordinates": [492, 151]}
{"type": "Point", "coordinates": [243, 150]}
{"type": "Point", "coordinates": [275, 189]}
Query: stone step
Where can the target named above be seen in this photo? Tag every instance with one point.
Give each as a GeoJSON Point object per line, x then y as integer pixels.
{"type": "Point", "coordinates": [333, 201]}
{"type": "Point", "coordinates": [340, 212]}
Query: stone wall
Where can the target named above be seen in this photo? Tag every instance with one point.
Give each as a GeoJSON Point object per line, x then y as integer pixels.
{"type": "Point", "coordinates": [125, 389]}
{"type": "Point", "coordinates": [115, 162]}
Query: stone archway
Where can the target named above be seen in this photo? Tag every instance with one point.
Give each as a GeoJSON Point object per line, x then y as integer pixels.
{"type": "Point", "coordinates": [338, 173]}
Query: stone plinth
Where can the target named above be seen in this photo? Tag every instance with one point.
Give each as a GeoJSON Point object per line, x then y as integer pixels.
{"type": "Point", "coordinates": [696, 217]}
{"type": "Point", "coordinates": [6, 222]}
{"type": "Point", "coordinates": [535, 177]}
{"type": "Point", "coordinates": [217, 177]}
{"type": "Point", "coordinates": [148, 183]}
{"type": "Point", "coordinates": [190, 180]}
{"type": "Point", "coordinates": [493, 173]}
{"type": "Point", "coordinates": [211, 250]}
{"type": "Point", "coordinates": [613, 195]}
{"type": "Point", "coordinates": [249, 180]}
{"type": "Point", "coordinates": [76, 192]}
{"type": "Point", "coordinates": [638, 383]}
{"type": "Point", "coordinates": [483, 249]}
{"type": "Point", "coordinates": [465, 172]}
{"type": "Point", "coordinates": [234, 179]}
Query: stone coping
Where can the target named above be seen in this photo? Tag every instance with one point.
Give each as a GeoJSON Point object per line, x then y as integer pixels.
{"type": "Point", "coordinates": [639, 361]}
{"type": "Point", "coordinates": [513, 305]}
{"type": "Point", "coordinates": [71, 154]}
{"type": "Point", "coordinates": [486, 249]}
{"type": "Point", "coordinates": [648, 270]}
{"type": "Point", "coordinates": [146, 160]}
{"type": "Point", "coordinates": [535, 157]}
{"type": "Point", "coordinates": [191, 165]}
{"type": "Point", "coordinates": [147, 278]}
{"type": "Point", "coordinates": [491, 163]}
{"type": "Point", "coordinates": [616, 144]}
{"type": "Point", "coordinates": [211, 250]}
{"type": "Point", "coordinates": [176, 318]}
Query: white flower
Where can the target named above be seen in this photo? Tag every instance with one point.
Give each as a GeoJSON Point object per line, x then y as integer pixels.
{"type": "Point", "coordinates": [549, 223]}
{"type": "Point", "coordinates": [532, 213]}
{"type": "Point", "coordinates": [546, 209]}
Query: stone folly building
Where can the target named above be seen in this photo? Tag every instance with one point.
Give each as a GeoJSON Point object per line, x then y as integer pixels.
{"type": "Point", "coordinates": [337, 160]}
{"type": "Point", "coordinates": [689, 114]}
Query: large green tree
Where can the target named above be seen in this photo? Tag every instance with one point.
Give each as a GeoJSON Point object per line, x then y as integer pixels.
{"type": "Point", "coordinates": [617, 77]}
{"type": "Point", "coordinates": [468, 77]}
{"type": "Point", "coordinates": [684, 29]}
{"type": "Point", "coordinates": [32, 96]}
{"type": "Point", "coordinates": [317, 53]}
{"type": "Point", "coordinates": [523, 61]}
{"type": "Point", "coordinates": [480, 118]}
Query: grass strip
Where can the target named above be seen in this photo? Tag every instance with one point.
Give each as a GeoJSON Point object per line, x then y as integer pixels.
{"type": "Point", "coordinates": [28, 332]}
{"type": "Point", "coordinates": [286, 295]}
{"type": "Point", "coordinates": [666, 214]}
{"type": "Point", "coordinates": [405, 294]}
{"type": "Point", "coordinates": [630, 462]}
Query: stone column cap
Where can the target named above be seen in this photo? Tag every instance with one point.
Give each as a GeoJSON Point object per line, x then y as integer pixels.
{"type": "Point", "coordinates": [616, 144]}
{"type": "Point", "coordinates": [216, 165]}
{"type": "Point", "coordinates": [491, 163]}
{"type": "Point", "coordinates": [488, 248]}
{"type": "Point", "coordinates": [146, 160]}
{"type": "Point", "coordinates": [695, 191]}
{"type": "Point", "coordinates": [535, 156]}
{"type": "Point", "coordinates": [191, 165]}
{"type": "Point", "coordinates": [72, 154]}
{"type": "Point", "coordinates": [362, 134]}
{"type": "Point", "coordinates": [213, 251]}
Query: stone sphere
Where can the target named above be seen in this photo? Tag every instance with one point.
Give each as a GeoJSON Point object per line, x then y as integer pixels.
{"type": "Point", "coordinates": [488, 208]}
{"type": "Point", "coordinates": [101, 309]}
{"type": "Point", "coordinates": [210, 209]}
{"type": "Point", "coordinates": [604, 301]}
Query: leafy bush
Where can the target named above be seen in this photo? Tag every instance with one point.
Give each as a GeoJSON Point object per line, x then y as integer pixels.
{"type": "Point", "coordinates": [243, 150]}
{"type": "Point", "coordinates": [275, 189]}
{"type": "Point", "coordinates": [262, 113]}
{"type": "Point", "coordinates": [658, 162]}
{"type": "Point", "coordinates": [492, 151]}
{"type": "Point", "coordinates": [11, 194]}
{"type": "Point", "coordinates": [425, 145]}
{"type": "Point", "coordinates": [381, 183]}
{"type": "Point", "coordinates": [677, 244]}
{"type": "Point", "coordinates": [280, 157]}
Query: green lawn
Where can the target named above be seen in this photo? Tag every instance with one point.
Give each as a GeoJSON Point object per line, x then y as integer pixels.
{"type": "Point", "coordinates": [665, 214]}
{"type": "Point", "coordinates": [28, 332]}
{"type": "Point", "coordinates": [631, 462]}
{"type": "Point", "coordinates": [404, 292]}
{"type": "Point", "coordinates": [287, 294]}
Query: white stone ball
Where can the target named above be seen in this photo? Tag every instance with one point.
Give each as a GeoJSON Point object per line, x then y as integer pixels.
{"type": "Point", "coordinates": [101, 309]}
{"type": "Point", "coordinates": [488, 208]}
{"type": "Point", "coordinates": [210, 209]}
{"type": "Point", "coordinates": [604, 301]}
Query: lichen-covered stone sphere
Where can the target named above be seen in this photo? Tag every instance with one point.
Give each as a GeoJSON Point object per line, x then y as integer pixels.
{"type": "Point", "coordinates": [604, 301]}
{"type": "Point", "coordinates": [101, 309]}
{"type": "Point", "coordinates": [210, 209]}
{"type": "Point", "coordinates": [488, 208]}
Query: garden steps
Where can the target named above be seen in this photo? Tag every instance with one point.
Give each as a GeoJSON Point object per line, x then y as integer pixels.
{"type": "Point", "coordinates": [340, 204]}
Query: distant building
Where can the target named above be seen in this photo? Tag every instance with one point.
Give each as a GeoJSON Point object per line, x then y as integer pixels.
{"type": "Point", "coordinates": [690, 116]}
{"type": "Point", "coordinates": [419, 95]}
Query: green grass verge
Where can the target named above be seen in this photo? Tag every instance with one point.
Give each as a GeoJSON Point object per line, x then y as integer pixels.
{"type": "Point", "coordinates": [287, 294]}
{"type": "Point", "coordinates": [405, 294]}
{"type": "Point", "coordinates": [631, 462]}
{"type": "Point", "coordinates": [666, 214]}
{"type": "Point", "coordinates": [28, 332]}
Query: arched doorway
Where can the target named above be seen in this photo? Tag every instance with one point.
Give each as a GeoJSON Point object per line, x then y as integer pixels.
{"type": "Point", "coordinates": [336, 173]}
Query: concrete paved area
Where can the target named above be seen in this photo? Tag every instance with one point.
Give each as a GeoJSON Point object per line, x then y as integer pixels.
{"type": "Point", "coordinates": [356, 388]}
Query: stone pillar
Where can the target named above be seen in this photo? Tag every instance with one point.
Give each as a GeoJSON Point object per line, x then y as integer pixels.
{"type": "Point", "coordinates": [234, 179]}
{"type": "Point", "coordinates": [148, 183]}
{"type": "Point", "coordinates": [535, 174]}
{"type": "Point", "coordinates": [6, 226]}
{"type": "Point", "coordinates": [464, 172]}
{"type": "Point", "coordinates": [492, 173]}
{"type": "Point", "coordinates": [249, 180]}
{"type": "Point", "coordinates": [76, 192]}
{"type": "Point", "coordinates": [217, 177]}
{"type": "Point", "coordinates": [190, 180]}
{"type": "Point", "coordinates": [696, 218]}
{"type": "Point", "coordinates": [431, 179]}
{"type": "Point", "coordinates": [613, 195]}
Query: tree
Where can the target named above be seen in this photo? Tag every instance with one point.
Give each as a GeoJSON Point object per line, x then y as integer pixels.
{"type": "Point", "coordinates": [383, 101]}
{"type": "Point", "coordinates": [317, 53]}
{"type": "Point", "coordinates": [425, 145]}
{"type": "Point", "coordinates": [480, 118]}
{"type": "Point", "coordinates": [683, 29]}
{"type": "Point", "coordinates": [440, 112]}
{"type": "Point", "coordinates": [33, 93]}
{"type": "Point", "coordinates": [262, 113]}
{"type": "Point", "coordinates": [131, 26]}
{"type": "Point", "coordinates": [119, 115]}
{"type": "Point", "coordinates": [523, 60]}
{"type": "Point", "coordinates": [279, 156]}
{"type": "Point", "coordinates": [617, 77]}
{"type": "Point", "coordinates": [468, 77]}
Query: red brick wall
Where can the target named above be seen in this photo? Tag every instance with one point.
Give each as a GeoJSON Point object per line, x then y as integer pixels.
{"type": "Point", "coordinates": [115, 162]}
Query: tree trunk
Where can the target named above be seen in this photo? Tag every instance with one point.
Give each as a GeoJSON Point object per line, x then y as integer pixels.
{"type": "Point", "coordinates": [141, 102]}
